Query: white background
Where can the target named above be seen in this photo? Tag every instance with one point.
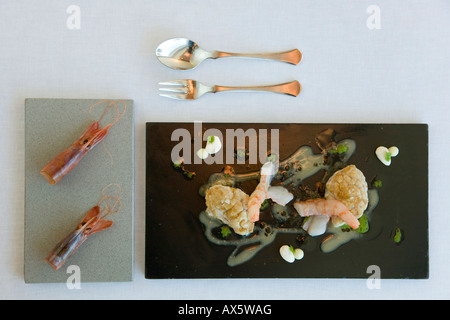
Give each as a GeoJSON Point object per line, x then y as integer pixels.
{"type": "Point", "coordinates": [350, 73]}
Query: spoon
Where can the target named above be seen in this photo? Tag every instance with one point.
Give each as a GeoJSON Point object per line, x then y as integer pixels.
{"type": "Point", "coordinates": [185, 54]}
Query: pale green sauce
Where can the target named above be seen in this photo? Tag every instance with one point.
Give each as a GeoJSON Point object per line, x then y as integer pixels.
{"type": "Point", "coordinates": [301, 165]}
{"type": "Point", "coordinates": [339, 237]}
{"type": "Point", "coordinates": [246, 247]}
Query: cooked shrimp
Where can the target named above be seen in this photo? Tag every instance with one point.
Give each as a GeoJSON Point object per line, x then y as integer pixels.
{"type": "Point", "coordinates": [326, 207]}
{"type": "Point", "coordinates": [261, 191]}
{"type": "Point", "coordinates": [63, 163]}
{"type": "Point", "coordinates": [93, 222]}
{"type": "Point", "coordinates": [255, 201]}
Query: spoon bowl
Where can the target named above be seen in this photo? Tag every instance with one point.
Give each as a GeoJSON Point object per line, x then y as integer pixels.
{"type": "Point", "coordinates": [185, 54]}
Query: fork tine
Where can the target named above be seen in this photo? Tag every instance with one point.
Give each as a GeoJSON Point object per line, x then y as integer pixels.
{"type": "Point", "coordinates": [174, 89]}
{"type": "Point", "coordinates": [177, 96]}
{"type": "Point", "coordinates": [173, 83]}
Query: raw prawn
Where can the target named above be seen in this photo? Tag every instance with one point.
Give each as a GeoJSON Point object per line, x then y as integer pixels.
{"type": "Point", "coordinates": [63, 163]}
{"type": "Point", "coordinates": [261, 191]}
{"type": "Point", "coordinates": [326, 207]}
{"type": "Point", "coordinates": [93, 222]}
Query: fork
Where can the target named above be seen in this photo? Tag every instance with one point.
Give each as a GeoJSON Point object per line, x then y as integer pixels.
{"type": "Point", "coordinates": [187, 89]}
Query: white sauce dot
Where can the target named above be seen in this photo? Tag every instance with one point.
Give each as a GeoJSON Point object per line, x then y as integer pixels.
{"type": "Point", "coordinates": [202, 153]}
{"type": "Point", "coordinates": [394, 151]}
{"type": "Point", "coordinates": [382, 152]}
{"type": "Point", "coordinates": [381, 155]}
{"type": "Point", "coordinates": [211, 148]}
{"type": "Point", "coordinates": [298, 254]}
{"type": "Point", "coordinates": [287, 254]}
{"type": "Point", "coordinates": [215, 146]}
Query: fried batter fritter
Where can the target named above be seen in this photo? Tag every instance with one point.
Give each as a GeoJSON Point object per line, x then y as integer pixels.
{"type": "Point", "coordinates": [349, 186]}
{"type": "Point", "coordinates": [229, 205]}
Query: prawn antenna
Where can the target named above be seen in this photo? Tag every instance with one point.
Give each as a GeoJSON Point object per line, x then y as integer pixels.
{"type": "Point", "coordinates": [110, 104]}
{"type": "Point", "coordinates": [106, 208]}
{"type": "Point", "coordinates": [118, 116]}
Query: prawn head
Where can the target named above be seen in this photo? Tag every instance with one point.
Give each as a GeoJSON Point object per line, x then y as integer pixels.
{"type": "Point", "coordinates": [90, 224]}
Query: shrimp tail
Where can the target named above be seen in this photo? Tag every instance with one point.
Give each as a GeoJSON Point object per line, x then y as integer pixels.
{"type": "Point", "coordinates": [350, 219]}
{"type": "Point", "coordinates": [62, 164]}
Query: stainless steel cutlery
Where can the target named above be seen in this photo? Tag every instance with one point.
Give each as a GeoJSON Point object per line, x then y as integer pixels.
{"type": "Point", "coordinates": [184, 54]}
{"type": "Point", "coordinates": [187, 89]}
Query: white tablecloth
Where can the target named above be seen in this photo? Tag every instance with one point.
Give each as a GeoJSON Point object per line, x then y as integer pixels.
{"type": "Point", "coordinates": [364, 61]}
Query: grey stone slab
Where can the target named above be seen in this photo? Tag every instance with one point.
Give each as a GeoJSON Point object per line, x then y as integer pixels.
{"type": "Point", "coordinates": [51, 212]}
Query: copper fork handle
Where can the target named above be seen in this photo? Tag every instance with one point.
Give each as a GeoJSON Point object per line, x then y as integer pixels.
{"type": "Point", "coordinates": [292, 88]}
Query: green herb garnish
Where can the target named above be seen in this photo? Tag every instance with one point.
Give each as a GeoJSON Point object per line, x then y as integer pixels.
{"type": "Point", "coordinates": [272, 158]}
{"type": "Point", "coordinates": [210, 139]}
{"type": "Point", "coordinates": [241, 153]}
{"type": "Point", "coordinates": [388, 156]}
{"type": "Point", "coordinates": [291, 248]}
{"type": "Point", "coordinates": [363, 225]}
{"type": "Point", "coordinates": [377, 183]}
{"type": "Point", "coordinates": [398, 235]}
{"type": "Point", "coordinates": [340, 149]}
{"type": "Point", "coordinates": [225, 231]}
{"type": "Point", "coordinates": [188, 174]}
{"type": "Point", "coordinates": [177, 164]}
{"type": "Point", "coordinates": [264, 205]}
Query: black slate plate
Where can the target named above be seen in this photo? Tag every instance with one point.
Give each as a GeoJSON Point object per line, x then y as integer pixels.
{"type": "Point", "coordinates": [176, 246]}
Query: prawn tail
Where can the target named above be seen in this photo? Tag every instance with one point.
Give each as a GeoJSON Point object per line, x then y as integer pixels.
{"type": "Point", "coordinates": [253, 213]}
{"type": "Point", "coordinates": [349, 219]}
